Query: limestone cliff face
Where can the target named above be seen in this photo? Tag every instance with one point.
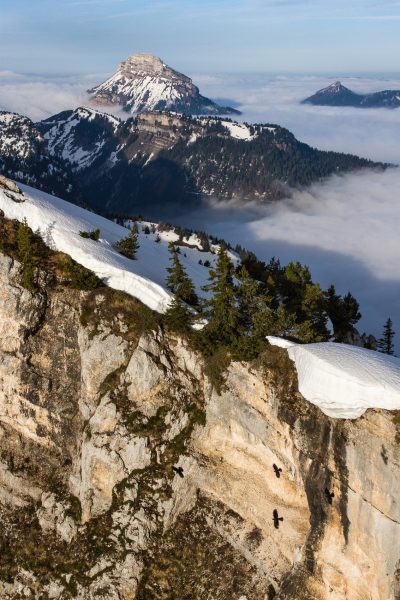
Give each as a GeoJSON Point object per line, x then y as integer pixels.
{"type": "Point", "coordinates": [124, 474]}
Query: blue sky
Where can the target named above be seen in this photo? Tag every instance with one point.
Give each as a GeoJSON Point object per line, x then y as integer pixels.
{"type": "Point", "coordinates": [71, 36]}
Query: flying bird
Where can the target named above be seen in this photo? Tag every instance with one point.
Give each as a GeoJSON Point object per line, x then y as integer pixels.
{"type": "Point", "coordinates": [276, 518]}
{"type": "Point", "coordinates": [178, 470]}
{"type": "Point", "coordinates": [277, 470]}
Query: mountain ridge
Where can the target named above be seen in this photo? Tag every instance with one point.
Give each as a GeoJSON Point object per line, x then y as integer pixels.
{"type": "Point", "coordinates": [160, 164]}
{"type": "Point", "coordinates": [337, 94]}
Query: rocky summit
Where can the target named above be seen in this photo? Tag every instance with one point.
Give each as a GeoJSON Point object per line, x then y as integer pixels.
{"type": "Point", "coordinates": [145, 82]}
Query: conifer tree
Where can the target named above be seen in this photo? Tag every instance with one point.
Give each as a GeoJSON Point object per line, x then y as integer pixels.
{"type": "Point", "coordinates": [178, 316]}
{"type": "Point", "coordinates": [178, 281]}
{"type": "Point", "coordinates": [343, 312]}
{"type": "Point", "coordinates": [249, 299]}
{"type": "Point", "coordinates": [129, 245]}
{"type": "Point", "coordinates": [221, 308]}
{"type": "Point", "coordinates": [385, 344]}
{"type": "Point", "coordinates": [277, 321]}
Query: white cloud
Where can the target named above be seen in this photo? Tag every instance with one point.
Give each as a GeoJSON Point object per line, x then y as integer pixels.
{"type": "Point", "coordinates": [40, 97]}
{"type": "Point", "coordinates": [345, 229]}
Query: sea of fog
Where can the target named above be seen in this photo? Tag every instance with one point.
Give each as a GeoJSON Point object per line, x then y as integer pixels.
{"type": "Point", "coordinates": [346, 228]}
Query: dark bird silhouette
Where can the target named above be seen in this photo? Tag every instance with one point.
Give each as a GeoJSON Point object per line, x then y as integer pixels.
{"type": "Point", "coordinates": [329, 495]}
{"type": "Point", "coordinates": [178, 470]}
{"type": "Point", "coordinates": [277, 470]}
{"type": "Point", "coordinates": [276, 518]}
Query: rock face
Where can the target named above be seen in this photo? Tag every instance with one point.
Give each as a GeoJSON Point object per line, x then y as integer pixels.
{"type": "Point", "coordinates": [124, 474]}
{"type": "Point", "coordinates": [145, 82]}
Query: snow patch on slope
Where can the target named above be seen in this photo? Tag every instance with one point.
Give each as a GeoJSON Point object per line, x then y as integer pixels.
{"type": "Point", "coordinates": [62, 141]}
{"type": "Point", "coordinates": [59, 223]}
{"type": "Point", "coordinates": [343, 380]}
{"type": "Point", "coordinates": [18, 136]}
{"type": "Point", "coordinates": [239, 131]}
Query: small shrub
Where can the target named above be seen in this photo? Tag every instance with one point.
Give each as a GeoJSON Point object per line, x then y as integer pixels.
{"type": "Point", "coordinates": [199, 417]}
{"type": "Point", "coordinates": [26, 256]}
{"type": "Point", "coordinates": [247, 348]}
{"type": "Point", "coordinates": [216, 366]}
{"type": "Point", "coordinates": [396, 418]}
{"type": "Point", "coordinates": [91, 235]}
{"type": "Point", "coordinates": [80, 277]}
{"type": "Point", "coordinates": [129, 245]}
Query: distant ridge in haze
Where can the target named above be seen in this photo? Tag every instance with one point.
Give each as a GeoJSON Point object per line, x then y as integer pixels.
{"type": "Point", "coordinates": [145, 82]}
{"type": "Point", "coordinates": [339, 95]}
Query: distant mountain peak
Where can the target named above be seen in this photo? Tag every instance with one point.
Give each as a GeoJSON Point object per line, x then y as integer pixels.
{"type": "Point", "coordinates": [337, 94]}
{"type": "Point", "coordinates": [143, 62]}
{"type": "Point", "coordinates": [145, 82]}
{"type": "Point", "coordinates": [336, 87]}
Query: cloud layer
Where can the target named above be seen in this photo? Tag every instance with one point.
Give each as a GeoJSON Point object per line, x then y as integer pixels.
{"type": "Point", "coordinates": [346, 228]}
{"type": "Point", "coordinates": [40, 97]}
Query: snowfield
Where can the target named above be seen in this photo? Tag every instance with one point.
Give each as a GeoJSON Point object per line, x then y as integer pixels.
{"type": "Point", "coordinates": [59, 223]}
{"type": "Point", "coordinates": [342, 380]}
{"type": "Point", "coordinates": [238, 131]}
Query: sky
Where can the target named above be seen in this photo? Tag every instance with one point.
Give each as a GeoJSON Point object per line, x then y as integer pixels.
{"type": "Point", "coordinates": [70, 36]}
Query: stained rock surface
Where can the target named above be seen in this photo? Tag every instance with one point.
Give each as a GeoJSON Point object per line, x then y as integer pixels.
{"type": "Point", "coordinates": [124, 474]}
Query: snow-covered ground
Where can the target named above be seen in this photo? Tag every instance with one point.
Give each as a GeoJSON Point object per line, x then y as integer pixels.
{"type": "Point", "coordinates": [239, 131]}
{"type": "Point", "coordinates": [344, 381]}
{"type": "Point", "coordinates": [61, 137]}
{"type": "Point", "coordinates": [60, 222]}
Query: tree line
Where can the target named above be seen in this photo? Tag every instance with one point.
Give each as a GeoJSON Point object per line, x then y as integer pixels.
{"type": "Point", "coordinates": [238, 310]}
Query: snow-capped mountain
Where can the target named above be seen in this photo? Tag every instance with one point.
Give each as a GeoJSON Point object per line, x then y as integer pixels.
{"type": "Point", "coordinates": [18, 136]}
{"type": "Point", "coordinates": [145, 82]}
{"type": "Point", "coordinates": [337, 94]}
{"type": "Point", "coordinates": [160, 164]}
{"type": "Point", "coordinates": [81, 137]}
{"type": "Point", "coordinates": [24, 154]}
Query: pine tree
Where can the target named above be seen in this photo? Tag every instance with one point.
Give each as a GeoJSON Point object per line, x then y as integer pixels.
{"type": "Point", "coordinates": [25, 254]}
{"type": "Point", "coordinates": [221, 308]}
{"type": "Point", "coordinates": [178, 316]}
{"type": "Point", "coordinates": [385, 344]}
{"type": "Point", "coordinates": [129, 245]}
{"type": "Point", "coordinates": [343, 312]}
{"type": "Point", "coordinates": [178, 281]}
{"type": "Point", "coordinates": [277, 321]}
{"type": "Point", "coordinates": [249, 298]}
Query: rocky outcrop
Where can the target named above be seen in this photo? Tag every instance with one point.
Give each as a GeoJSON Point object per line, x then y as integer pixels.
{"type": "Point", "coordinates": [124, 474]}
{"type": "Point", "coordinates": [145, 82]}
